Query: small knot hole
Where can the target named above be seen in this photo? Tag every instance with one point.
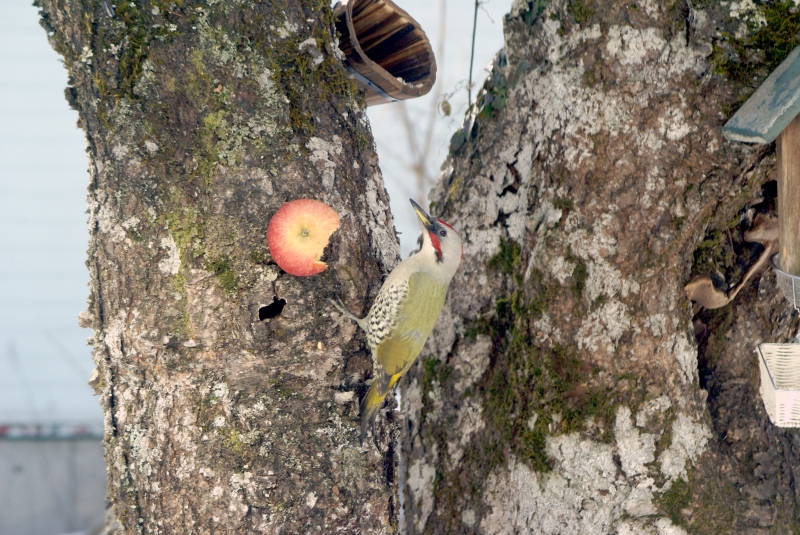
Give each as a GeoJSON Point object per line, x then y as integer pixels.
{"type": "Point", "coordinates": [272, 310]}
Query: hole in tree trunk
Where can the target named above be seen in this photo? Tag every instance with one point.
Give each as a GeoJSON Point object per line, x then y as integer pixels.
{"type": "Point", "coordinates": [272, 310]}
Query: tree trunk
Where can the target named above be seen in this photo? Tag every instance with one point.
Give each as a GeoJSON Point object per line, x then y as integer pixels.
{"type": "Point", "coordinates": [568, 387]}
{"type": "Point", "coordinates": [201, 120]}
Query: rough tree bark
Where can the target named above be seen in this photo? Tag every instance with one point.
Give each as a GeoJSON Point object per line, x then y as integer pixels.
{"type": "Point", "coordinates": [568, 387]}
{"type": "Point", "coordinates": [201, 119]}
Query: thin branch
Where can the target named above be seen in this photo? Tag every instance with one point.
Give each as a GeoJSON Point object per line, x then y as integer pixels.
{"type": "Point", "coordinates": [472, 52]}
{"type": "Point", "coordinates": [79, 370]}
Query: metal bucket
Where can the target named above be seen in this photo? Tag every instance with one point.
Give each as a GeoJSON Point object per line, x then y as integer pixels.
{"type": "Point", "coordinates": [789, 284]}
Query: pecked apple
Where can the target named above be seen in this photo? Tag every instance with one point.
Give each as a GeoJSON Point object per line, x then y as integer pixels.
{"type": "Point", "coordinates": [298, 234]}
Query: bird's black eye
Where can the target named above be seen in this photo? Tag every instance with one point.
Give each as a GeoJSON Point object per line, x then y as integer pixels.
{"type": "Point", "coordinates": [443, 233]}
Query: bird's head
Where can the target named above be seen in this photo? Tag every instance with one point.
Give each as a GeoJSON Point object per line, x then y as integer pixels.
{"type": "Point", "coordinates": [440, 241]}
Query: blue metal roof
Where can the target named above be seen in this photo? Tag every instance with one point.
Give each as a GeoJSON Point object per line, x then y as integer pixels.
{"type": "Point", "coordinates": [771, 108]}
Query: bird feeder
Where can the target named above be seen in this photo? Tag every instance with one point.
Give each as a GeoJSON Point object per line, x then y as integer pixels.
{"type": "Point", "coordinates": [770, 114]}
{"type": "Point", "coordinates": [386, 50]}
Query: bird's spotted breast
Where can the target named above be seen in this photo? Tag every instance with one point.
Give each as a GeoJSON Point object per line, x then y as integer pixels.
{"type": "Point", "coordinates": [383, 314]}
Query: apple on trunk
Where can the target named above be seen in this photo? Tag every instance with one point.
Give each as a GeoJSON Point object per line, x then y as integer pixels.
{"type": "Point", "coordinates": [298, 234]}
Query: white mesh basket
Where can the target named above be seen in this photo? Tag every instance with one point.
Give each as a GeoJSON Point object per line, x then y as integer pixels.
{"type": "Point", "coordinates": [780, 382]}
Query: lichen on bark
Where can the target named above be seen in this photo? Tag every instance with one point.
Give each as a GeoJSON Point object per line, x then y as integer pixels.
{"type": "Point", "coordinates": [201, 119]}
{"type": "Point", "coordinates": [569, 387]}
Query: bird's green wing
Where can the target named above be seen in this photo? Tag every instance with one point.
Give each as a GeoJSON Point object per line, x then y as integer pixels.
{"type": "Point", "coordinates": [414, 322]}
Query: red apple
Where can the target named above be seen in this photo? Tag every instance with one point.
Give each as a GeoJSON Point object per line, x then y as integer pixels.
{"type": "Point", "coordinates": [298, 233]}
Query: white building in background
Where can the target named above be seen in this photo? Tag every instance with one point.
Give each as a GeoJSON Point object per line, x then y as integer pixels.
{"type": "Point", "coordinates": [52, 480]}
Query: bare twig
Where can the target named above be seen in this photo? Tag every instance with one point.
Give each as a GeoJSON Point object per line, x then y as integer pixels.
{"type": "Point", "coordinates": [472, 52]}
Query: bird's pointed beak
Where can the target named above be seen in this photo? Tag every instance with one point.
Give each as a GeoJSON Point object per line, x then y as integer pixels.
{"type": "Point", "coordinates": [424, 218]}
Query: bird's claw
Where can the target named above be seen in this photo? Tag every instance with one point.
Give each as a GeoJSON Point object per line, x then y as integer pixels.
{"type": "Point", "coordinates": [346, 314]}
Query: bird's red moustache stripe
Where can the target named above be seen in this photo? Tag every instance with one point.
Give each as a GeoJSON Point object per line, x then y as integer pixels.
{"type": "Point", "coordinates": [436, 244]}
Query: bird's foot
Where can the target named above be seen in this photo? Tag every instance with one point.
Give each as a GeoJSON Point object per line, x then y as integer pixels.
{"type": "Point", "coordinates": [346, 314]}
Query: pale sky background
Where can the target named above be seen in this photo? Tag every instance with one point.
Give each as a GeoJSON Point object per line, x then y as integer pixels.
{"type": "Point", "coordinates": [44, 360]}
{"type": "Point", "coordinates": [453, 73]}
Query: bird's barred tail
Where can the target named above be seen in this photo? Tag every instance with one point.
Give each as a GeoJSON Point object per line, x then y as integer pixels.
{"type": "Point", "coordinates": [373, 401]}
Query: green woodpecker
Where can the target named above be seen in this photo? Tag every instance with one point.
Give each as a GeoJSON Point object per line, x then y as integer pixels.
{"type": "Point", "coordinates": [407, 307]}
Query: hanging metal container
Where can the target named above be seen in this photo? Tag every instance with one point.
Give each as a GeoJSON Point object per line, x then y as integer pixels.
{"type": "Point", "coordinates": [788, 283]}
{"type": "Point", "coordinates": [386, 50]}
